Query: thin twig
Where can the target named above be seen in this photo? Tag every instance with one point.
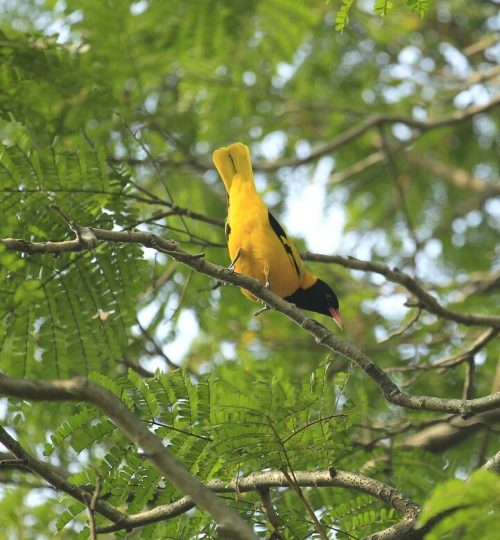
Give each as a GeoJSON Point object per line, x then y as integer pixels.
{"type": "Point", "coordinates": [272, 516]}
{"type": "Point", "coordinates": [403, 206]}
{"type": "Point", "coordinates": [453, 360]}
{"type": "Point", "coordinates": [91, 509]}
{"type": "Point", "coordinates": [404, 328]}
{"type": "Point", "coordinates": [468, 391]}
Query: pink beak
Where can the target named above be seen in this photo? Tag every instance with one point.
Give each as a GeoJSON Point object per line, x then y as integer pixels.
{"type": "Point", "coordinates": [335, 313]}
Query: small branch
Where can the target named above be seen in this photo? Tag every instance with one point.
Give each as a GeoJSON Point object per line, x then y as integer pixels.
{"type": "Point", "coordinates": [426, 300]}
{"type": "Point", "coordinates": [310, 423]}
{"type": "Point", "coordinates": [452, 431]}
{"type": "Point", "coordinates": [91, 510]}
{"type": "Point", "coordinates": [356, 168]}
{"type": "Point", "coordinates": [468, 390]}
{"type": "Point", "coordinates": [455, 359]}
{"type": "Point", "coordinates": [13, 463]}
{"type": "Point", "coordinates": [134, 366]}
{"type": "Point", "coordinates": [81, 389]}
{"type": "Point", "coordinates": [269, 510]}
{"type": "Point", "coordinates": [479, 46]}
{"type": "Point", "coordinates": [157, 171]}
{"type": "Point", "coordinates": [376, 121]}
{"type": "Point", "coordinates": [404, 328]}
{"type": "Point", "coordinates": [459, 178]}
{"type": "Point", "coordinates": [493, 464]}
{"type": "Point", "coordinates": [157, 349]}
{"type": "Point", "coordinates": [179, 211]}
{"type": "Point", "coordinates": [475, 347]}
{"type": "Point", "coordinates": [399, 188]}
{"type": "Point", "coordinates": [292, 482]}
{"type": "Point", "coordinates": [83, 234]}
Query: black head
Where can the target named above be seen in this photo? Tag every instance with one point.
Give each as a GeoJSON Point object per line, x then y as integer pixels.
{"type": "Point", "coordinates": [319, 298]}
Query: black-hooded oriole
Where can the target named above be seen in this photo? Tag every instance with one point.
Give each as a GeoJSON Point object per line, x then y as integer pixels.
{"type": "Point", "coordinates": [258, 245]}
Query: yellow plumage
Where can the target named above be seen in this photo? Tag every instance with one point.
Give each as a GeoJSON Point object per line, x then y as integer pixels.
{"type": "Point", "coordinates": [265, 251]}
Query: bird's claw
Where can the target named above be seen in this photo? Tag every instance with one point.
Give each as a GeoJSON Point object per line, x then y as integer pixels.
{"type": "Point", "coordinates": [233, 262]}
{"type": "Point", "coordinates": [267, 285]}
{"type": "Point", "coordinates": [265, 307]}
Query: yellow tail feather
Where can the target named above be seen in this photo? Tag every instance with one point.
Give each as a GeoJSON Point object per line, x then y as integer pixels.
{"type": "Point", "coordinates": [231, 161]}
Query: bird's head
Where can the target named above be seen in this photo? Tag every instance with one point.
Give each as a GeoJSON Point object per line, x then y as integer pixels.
{"type": "Point", "coordinates": [322, 299]}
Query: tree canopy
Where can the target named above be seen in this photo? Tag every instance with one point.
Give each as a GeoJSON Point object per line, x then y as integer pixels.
{"type": "Point", "coordinates": [141, 398]}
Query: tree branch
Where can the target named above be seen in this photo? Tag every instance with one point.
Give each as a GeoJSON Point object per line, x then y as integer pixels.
{"type": "Point", "coordinates": [376, 121]}
{"type": "Point", "coordinates": [444, 435]}
{"type": "Point", "coordinates": [81, 389]}
{"type": "Point", "coordinates": [493, 464]}
{"type": "Point", "coordinates": [404, 530]}
{"type": "Point", "coordinates": [455, 359]}
{"type": "Point", "coordinates": [323, 336]}
{"type": "Point", "coordinates": [459, 178]}
{"type": "Point", "coordinates": [47, 472]}
{"type": "Point", "coordinates": [275, 479]}
{"type": "Point", "coordinates": [170, 247]}
{"type": "Point", "coordinates": [269, 510]}
{"type": "Point", "coordinates": [399, 531]}
{"type": "Point", "coordinates": [426, 300]}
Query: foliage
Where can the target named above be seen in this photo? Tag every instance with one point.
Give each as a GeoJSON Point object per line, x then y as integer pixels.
{"type": "Point", "coordinates": [469, 508]}
{"type": "Point", "coordinates": [109, 112]}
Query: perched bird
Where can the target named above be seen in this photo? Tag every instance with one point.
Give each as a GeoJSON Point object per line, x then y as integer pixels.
{"type": "Point", "coordinates": [258, 245]}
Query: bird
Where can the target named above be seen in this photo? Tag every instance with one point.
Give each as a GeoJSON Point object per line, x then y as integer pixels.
{"type": "Point", "coordinates": [258, 245]}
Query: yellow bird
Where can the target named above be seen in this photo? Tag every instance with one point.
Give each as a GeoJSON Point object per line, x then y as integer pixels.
{"type": "Point", "coordinates": [258, 245]}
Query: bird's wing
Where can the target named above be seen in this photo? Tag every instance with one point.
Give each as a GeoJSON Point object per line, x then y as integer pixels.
{"type": "Point", "coordinates": [287, 245]}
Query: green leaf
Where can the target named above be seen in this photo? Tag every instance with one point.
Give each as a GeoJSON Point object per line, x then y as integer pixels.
{"type": "Point", "coordinates": [470, 506]}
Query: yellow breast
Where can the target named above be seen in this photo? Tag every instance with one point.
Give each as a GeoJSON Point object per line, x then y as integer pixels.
{"type": "Point", "coordinates": [262, 252]}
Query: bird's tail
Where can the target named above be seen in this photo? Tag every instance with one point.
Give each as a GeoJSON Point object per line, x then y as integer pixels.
{"type": "Point", "coordinates": [231, 161]}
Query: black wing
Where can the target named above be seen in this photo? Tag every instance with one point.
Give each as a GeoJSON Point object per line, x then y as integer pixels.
{"type": "Point", "coordinates": [281, 234]}
{"type": "Point", "coordinates": [227, 227]}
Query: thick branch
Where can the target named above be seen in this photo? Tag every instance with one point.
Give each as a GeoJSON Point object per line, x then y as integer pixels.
{"type": "Point", "coordinates": [275, 479]}
{"type": "Point", "coordinates": [323, 336]}
{"type": "Point", "coordinates": [170, 247]}
{"type": "Point", "coordinates": [80, 389]}
{"type": "Point", "coordinates": [47, 472]}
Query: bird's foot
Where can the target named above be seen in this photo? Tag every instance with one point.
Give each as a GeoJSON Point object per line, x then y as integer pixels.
{"type": "Point", "coordinates": [233, 262]}
{"type": "Point", "coordinates": [267, 285]}
{"type": "Point", "coordinates": [265, 307]}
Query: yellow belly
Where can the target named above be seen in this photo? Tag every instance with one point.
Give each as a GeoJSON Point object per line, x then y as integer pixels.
{"type": "Point", "coordinates": [261, 251]}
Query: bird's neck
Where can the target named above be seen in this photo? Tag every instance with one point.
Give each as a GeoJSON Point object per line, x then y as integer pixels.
{"type": "Point", "coordinates": [308, 280]}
